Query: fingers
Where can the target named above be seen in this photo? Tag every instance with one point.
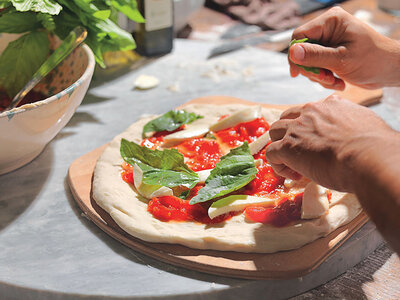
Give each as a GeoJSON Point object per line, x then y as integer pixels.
{"type": "Point", "coordinates": [313, 55]}
{"type": "Point", "coordinates": [291, 113]}
{"type": "Point", "coordinates": [278, 129]}
{"type": "Point", "coordinates": [273, 155]}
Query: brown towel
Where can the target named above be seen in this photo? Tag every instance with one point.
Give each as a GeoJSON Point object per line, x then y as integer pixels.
{"type": "Point", "coordinates": [268, 14]}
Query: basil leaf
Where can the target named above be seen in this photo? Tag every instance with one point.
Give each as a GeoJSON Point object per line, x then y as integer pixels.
{"type": "Point", "coordinates": [314, 70]}
{"type": "Point", "coordinates": [234, 171]}
{"type": "Point", "coordinates": [21, 59]}
{"type": "Point", "coordinates": [166, 168]}
{"type": "Point", "coordinates": [170, 121]}
{"type": "Point", "coordinates": [44, 6]}
{"type": "Point", "coordinates": [16, 22]}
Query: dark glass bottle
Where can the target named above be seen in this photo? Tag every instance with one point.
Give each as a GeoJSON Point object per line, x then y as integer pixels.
{"type": "Point", "coordinates": [156, 35]}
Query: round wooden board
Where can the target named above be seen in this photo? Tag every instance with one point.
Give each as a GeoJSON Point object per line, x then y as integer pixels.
{"type": "Point", "coordinates": [281, 265]}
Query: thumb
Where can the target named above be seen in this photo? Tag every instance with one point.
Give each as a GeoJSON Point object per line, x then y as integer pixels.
{"type": "Point", "coordinates": [313, 55]}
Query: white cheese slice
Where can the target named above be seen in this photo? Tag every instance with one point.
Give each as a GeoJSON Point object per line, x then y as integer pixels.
{"type": "Point", "coordinates": [245, 115]}
{"type": "Point", "coordinates": [203, 174]}
{"type": "Point", "coordinates": [315, 201]}
{"type": "Point", "coordinates": [259, 143]}
{"type": "Point", "coordinates": [197, 128]}
{"type": "Point", "coordinates": [189, 133]}
{"type": "Point", "coordinates": [145, 82]}
{"type": "Point", "coordinates": [237, 203]}
{"type": "Point", "coordinates": [146, 190]}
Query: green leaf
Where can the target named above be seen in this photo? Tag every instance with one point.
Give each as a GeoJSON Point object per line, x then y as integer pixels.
{"type": "Point", "coordinates": [165, 168]}
{"type": "Point", "coordinates": [47, 21]}
{"type": "Point", "coordinates": [17, 22]}
{"type": "Point", "coordinates": [129, 9]}
{"type": "Point", "coordinates": [21, 59]}
{"type": "Point", "coordinates": [170, 121]}
{"type": "Point", "coordinates": [4, 4]}
{"type": "Point", "coordinates": [234, 171]}
{"type": "Point", "coordinates": [43, 6]}
{"type": "Point", "coordinates": [314, 70]}
{"type": "Point", "coordinates": [102, 14]}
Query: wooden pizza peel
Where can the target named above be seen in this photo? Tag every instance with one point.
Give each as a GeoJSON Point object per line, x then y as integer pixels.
{"type": "Point", "coordinates": [281, 265]}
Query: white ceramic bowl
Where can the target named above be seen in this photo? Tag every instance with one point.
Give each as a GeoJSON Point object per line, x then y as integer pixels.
{"type": "Point", "coordinates": [25, 131]}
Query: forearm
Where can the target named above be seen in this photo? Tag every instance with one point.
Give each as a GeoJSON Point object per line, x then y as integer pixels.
{"type": "Point", "coordinates": [377, 184]}
{"type": "Point", "coordinates": [391, 67]}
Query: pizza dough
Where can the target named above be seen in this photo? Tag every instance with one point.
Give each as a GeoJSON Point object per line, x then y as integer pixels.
{"type": "Point", "coordinates": [129, 210]}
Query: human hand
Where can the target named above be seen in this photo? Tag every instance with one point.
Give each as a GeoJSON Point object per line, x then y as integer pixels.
{"type": "Point", "coordinates": [347, 47]}
{"type": "Point", "coordinates": [325, 141]}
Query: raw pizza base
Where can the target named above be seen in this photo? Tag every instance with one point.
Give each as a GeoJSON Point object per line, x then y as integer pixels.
{"type": "Point", "coordinates": [129, 210]}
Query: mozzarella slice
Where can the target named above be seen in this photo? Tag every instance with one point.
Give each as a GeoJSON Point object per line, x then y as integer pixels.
{"type": "Point", "coordinates": [196, 129]}
{"type": "Point", "coordinates": [146, 190]}
{"type": "Point", "coordinates": [203, 175]}
{"type": "Point", "coordinates": [145, 82]}
{"type": "Point", "coordinates": [237, 203]}
{"type": "Point", "coordinates": [259, 143]}
{"type": "Point", "coordinates": [191, 132]}
{"type": "Point", "coordinates": [245, 115]}
{"type": "Point", "coordinates": [315, 201]}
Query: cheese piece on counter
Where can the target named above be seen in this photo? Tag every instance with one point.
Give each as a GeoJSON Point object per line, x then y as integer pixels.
{"type": "Point", "coordinates": [259, 143]}
{"type": "Point", "coordinates": [203, 174]}
{"type": "Point", "coordinates": [146, 190]}
{"type": "Point", "coordinates": [315, 201]}
{"type": "Point", "coordinates": [237, 203]}
{"type": "Point", "coordinates": [245, 115]}
{"type": "Point", "coordinates": [145, 82]}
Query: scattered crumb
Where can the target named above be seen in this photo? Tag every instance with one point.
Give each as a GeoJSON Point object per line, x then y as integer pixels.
{"type": "Point", "coordinates": [174, 87]}
{"type": "Point", "coordinates": [145, 82]}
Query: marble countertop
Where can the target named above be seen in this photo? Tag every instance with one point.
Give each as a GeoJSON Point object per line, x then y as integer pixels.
{"type": "Point", "coordinates": [50, 250]}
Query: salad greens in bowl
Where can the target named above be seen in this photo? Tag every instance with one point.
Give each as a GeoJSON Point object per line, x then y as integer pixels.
{"type": "Point", "coordinates": [29, 31]}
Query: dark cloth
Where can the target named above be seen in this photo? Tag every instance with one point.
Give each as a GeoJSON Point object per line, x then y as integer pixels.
{"type": "Point", "coordinates": [268, 14]}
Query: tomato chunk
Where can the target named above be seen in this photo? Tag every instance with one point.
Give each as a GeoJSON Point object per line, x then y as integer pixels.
{"type": "Point", "coordinates": [282, 214]}
{"type": "Point", "coordinates": [246, 131]}
{"type": "Point", "coordinates": [202, 153]}
{"type": "Point", "coordinates": [171, 208]}
{"type": "Point", "coordinates": [265, 182]}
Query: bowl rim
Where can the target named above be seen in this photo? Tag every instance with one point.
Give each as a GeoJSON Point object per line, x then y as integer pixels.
{"type": "Point", "coordinates": [68, 90]}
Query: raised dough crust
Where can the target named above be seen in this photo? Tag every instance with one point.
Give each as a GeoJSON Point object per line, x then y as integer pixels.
{"type": "Point", "coordinates": [129, 210]}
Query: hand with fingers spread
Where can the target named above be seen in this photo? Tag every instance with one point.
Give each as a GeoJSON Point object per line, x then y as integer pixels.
{"type": "Point", "coordinates": [346, 147]}
{"type": "Point", "coordinates": [347, 47]}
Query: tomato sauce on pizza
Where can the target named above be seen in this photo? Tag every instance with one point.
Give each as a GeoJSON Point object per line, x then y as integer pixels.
{"type": "Point", "coordinates": [203, 154]}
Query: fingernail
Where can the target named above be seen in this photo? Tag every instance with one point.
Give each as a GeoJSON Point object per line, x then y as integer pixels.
{"type": "Point", "coordinates": [298, 53]}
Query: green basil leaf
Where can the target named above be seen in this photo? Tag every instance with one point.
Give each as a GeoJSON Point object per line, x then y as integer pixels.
{"type": "Point", "coordinates": [170, 121]}
{"type": "Point", "coordinates": [234, 171]}
{"type": "Point", "coordinates": [17, 22]}
{"type": "Point", "coordinates": [21, 59]}
{"type": "Point", "coordinates": [166, 168]}
{"type": "Point", "coordinates": [314, 70]}
{"type": "Point", "coordinates": [43, 6]}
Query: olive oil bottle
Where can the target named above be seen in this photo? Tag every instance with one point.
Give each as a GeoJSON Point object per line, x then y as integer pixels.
{"type": "Point", "coordinates": [156, 35]}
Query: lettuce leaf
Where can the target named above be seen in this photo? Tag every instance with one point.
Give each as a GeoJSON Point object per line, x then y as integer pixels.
{"type": "Point", "coordinates": [234, 171]}
{"type": "Point", "coordinates": [166, 168]}
{"type": "Point", "coordinates": [21, 59]}
{"type": "Point", "coordinates": [43, 6]}
{"type": "Point", "coordinates": [314, 70]}
{"type": "Point", "coordinates": [170, 121]}
{"type": "Point", "coordinates": [129, 9]}
{"type": "Point", "coordinates": [17, 22]}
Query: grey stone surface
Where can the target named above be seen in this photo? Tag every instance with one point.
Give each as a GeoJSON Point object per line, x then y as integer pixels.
{"type": "Point", "coordinates": [50, 250]}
